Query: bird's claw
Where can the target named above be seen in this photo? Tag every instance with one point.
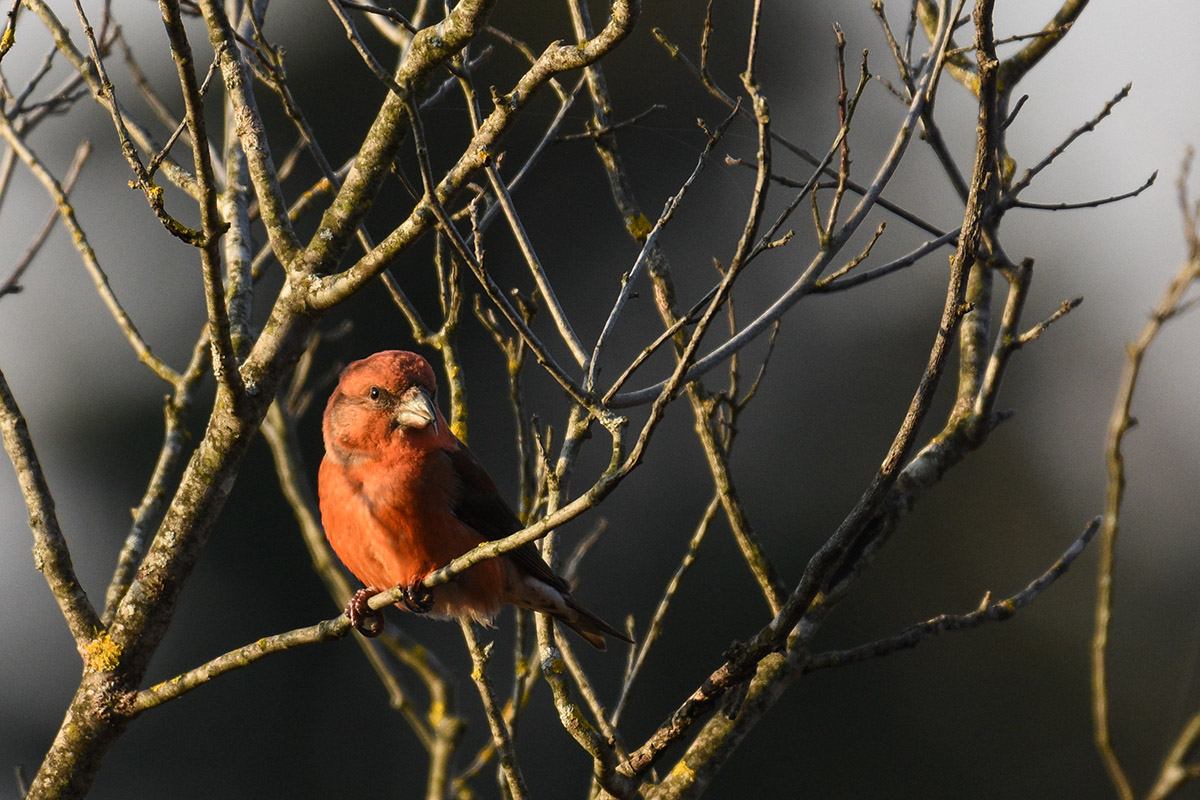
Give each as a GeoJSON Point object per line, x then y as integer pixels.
{"type": "Point", "coordinates": [363, 618]}
{"type": "Point", "coordinates": [417, 598]}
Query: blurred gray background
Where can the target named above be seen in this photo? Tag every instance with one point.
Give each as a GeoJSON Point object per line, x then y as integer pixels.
{"type": "Point", "coordinates": [997, 712]}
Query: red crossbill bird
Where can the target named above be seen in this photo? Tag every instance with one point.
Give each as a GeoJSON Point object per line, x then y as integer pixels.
{"type": "Point", "coordinates": [401, 496]}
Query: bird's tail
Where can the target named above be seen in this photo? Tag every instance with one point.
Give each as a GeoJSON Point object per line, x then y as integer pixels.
{"type": "Point", "coordinates": [534, 593]}
{"type": "Point", "coordinates": [587, 624]}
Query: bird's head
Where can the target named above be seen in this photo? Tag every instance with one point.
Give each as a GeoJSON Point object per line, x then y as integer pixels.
{"type": "Point", "coordinates": [378, 398]}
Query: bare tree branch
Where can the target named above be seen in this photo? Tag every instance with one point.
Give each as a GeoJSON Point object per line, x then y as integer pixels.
{"type": "Point", "coordinates": [1122, 420]}
{"type": "Point", "coordinates": [12, 284]}
{"type": "Point", "coordinates": [989, 611]}
{"type": "Point", "coordinates": [50, 553]}
{"type": "Point", "coordinates": [87, 254]}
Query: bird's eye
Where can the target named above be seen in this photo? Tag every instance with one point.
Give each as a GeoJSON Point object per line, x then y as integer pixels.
{"type": "Point", "coordinates": [375, 393]}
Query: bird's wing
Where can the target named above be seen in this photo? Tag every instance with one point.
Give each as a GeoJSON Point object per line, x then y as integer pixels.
{"type": "Point", "coordinates": [481, 507]}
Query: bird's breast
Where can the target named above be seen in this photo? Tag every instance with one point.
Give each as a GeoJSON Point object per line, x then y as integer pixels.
{"type": "Point", "coordinates": [392, 524]}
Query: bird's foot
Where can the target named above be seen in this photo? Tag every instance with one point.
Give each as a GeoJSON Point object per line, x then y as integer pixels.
{"type": "Point", "coordinates": [362, 618]}
{"type": "Point", "coordinates": [417, 598]}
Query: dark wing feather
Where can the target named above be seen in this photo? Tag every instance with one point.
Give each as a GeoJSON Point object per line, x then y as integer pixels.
{"type": "Point", "coordinates": [481, 507]}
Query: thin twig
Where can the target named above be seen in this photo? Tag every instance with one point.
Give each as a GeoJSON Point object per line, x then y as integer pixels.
{"type": "Point", "coordinates": [361, 48]}
{"type": "Point", "coordinates": [730, 102]}
{"type": "Point", "coordinates": [456, 239]}
{"type": "Point", "coordinates": [571, 717]}
{"type": "Point", "coordinates": [556, 59]}
{"type": "Point", "coordinates": [86, 253]}
{"type": "Point", "coordinates": [897, 56]}
{"type": "Point", "coordinates": [251, 131]}
{"type": "Point", "coordinates": [390, 13]}
{"type": "Point", "coordinates": [19, 107]}
{"type": "Point", "coordinates": [824, 231]}
{"type": "Point", "coordinates": [988, 611]}
{"type": "Point", "coordinates": [1018, 37]}
{"type": "Point", "coordinates": [1087, 127]}
{"type": "Point", "coordinates": [238, 658]}
{"type": "Point", "coordinates": [743, 660]}
{"type": "Point", "coordinates": [660, 612]}
{"type": "Point", "coordinates": [50, 553]}
{"type": "Point", "coordinates": [561, 321]}
{"type": "Point", "coordinates": [85, 74]}
{"type": "Point", "coordinates": [1119, 425]}
{"type": "Point", "coordinates": [854, 262]}
{"type": "Point", "coordinates": [157, 159]}
{"type": "Point", "coordinates": [648, 246]}
{"type": "Point", "coordinates": [591, 133]}
{"type": "Point", "coordinates": [636, 224]}
{"type": "Point", "coordinates": [12, 284]}
{"type": "Point", "coordinates": [515, 783]}
{"type": "Point", "coordinates": [1066, 206]}
{"type": "Point", "coordinates": [528, 672]}
{"type": "Point", "coordinates": [1037, 330]}
{"type": "Point", "coordinates": [212, 226]}
{"type": "Point", "coordinates": [158, 492]}
{"type": "Point", "coordinates": [144, 181]}
{"type": "Point", "coordinates": [804, 284]}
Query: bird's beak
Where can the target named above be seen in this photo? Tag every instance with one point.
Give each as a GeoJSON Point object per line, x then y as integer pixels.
{"type": "Point", "coordinates": [416, 409]}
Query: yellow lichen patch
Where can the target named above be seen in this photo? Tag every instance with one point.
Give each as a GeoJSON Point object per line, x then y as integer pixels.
{"type": "Point", "coordinates": [682, 770]}
{"type": "Point", "coordinates": [7, 41]}
{"type": "Point", "coordinates": [639, 227]}
{"type": "Point", "coordinates": [101, 654]}
{"type": "Point", "coordinates": [436, 712]}
{"type": "Point", "coordinates": [159, 687]}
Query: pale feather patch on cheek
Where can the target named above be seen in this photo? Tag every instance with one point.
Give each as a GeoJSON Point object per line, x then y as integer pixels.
{"type": "Point", "coordinates": [351, 430]}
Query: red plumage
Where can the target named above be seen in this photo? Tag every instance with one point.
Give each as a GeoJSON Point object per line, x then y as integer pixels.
{"type": "Point", "coordinates": [401, 496]}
